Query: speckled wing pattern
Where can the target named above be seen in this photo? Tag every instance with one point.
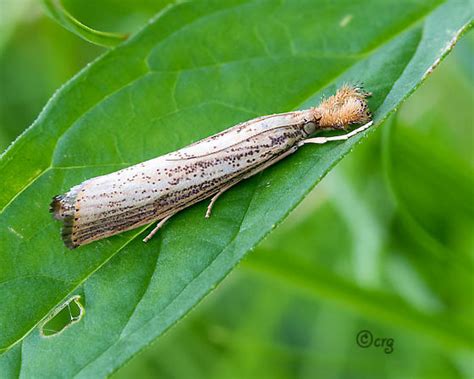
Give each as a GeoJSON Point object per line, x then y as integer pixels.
{"type": "Point", "coordinates": [152, 190]}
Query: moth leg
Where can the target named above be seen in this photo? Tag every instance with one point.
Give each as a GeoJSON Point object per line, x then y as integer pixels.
{"type": "Point", "coordinates": [321, 140]}
{"type": "Point", "coordinates": [214, 198]}
{"type": "Point", "coordinates": [157, 227]}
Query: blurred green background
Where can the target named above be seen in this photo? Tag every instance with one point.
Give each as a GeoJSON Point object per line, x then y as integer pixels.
{"type": "Point", "coordinates": [385, 243]}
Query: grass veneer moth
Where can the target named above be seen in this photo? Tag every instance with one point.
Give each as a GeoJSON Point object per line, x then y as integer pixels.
{"type": "Point", "coordinates": [157, 189]}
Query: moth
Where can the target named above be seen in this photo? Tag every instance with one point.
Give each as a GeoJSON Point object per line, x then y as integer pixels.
{"type": "Point", "coordinates": [157, 189]}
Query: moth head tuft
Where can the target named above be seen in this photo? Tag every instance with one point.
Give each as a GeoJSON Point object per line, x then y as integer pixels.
{"type": "Point", "coordinates": [347, 107]}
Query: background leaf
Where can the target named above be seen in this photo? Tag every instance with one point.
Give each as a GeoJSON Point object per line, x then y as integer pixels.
{"type": "Point", "coordinates": [158, 92]}
{"type": "Point", "coordinates": [58, 13]}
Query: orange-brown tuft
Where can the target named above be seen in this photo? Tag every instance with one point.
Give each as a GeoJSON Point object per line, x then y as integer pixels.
{"type": "Point", "coordinates": [348, 106]}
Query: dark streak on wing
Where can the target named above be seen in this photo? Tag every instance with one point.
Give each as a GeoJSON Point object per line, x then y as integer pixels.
{"type": "Point", "coordinates": [224, 148]}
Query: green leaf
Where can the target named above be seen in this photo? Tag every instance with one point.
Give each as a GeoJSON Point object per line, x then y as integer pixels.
{"type": "Point", "coordinates": [118, 15]}
{"type": "Point", "coordinates": [198, 68]}
{"type": "Point", "coordinates": [378, 305]}
{"type": "Point", "coordinates": [56, 10]}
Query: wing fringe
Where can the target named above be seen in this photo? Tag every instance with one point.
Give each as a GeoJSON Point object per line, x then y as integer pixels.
{"type": "Point", "coordinates": [62, 208]}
